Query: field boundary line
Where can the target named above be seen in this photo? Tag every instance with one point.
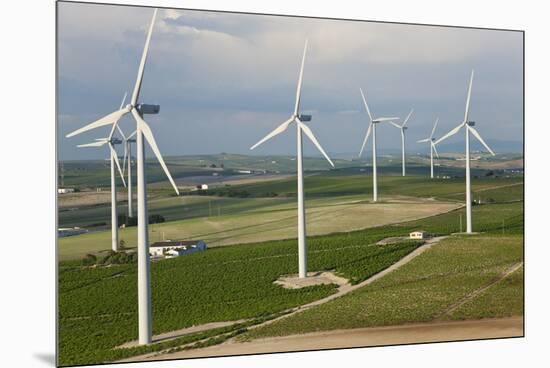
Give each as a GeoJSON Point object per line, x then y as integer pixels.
{"type": "Point", "coordinates": [479, 291]}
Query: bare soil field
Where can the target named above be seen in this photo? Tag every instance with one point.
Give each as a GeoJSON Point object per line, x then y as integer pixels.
{"type": "Point", "coordinates": [82, 199]}
{"type": "Point", "coordinates": [364, 337]}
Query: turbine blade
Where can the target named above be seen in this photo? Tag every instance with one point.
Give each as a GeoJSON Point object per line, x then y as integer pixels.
{"type": "Point", "coordinates": [467, 111]}
{"type": "Point", "coordinates": [93, 144]}
{"type": "Point", "coordinates": [148, 134]}
{"type": "Point", "coordinates": [125, 155]}
{"type": "Point", "coordinates": [106, 120]}
{"type": "Point", "coordinates": [123, 100]}
{"type": "Point", "coordinates": [407, 118]}
{"type": "Point", "coordinates": [476, 134]}
{"type": "Point", "coordinates": [423, 140]}
{"type": "Point", "coordinates": [365, 140]}
{"type": "Point", "coordinates": [365, 103]}
{"type": "Point", "coordinates": [300, 78]}
{"type": "Point", "coordinates": [281, 128]}
{"type": "Point", "coordinates": [433, 129]}
{"type": "Point", "coordinates": [115, 158]}
{"type": "Point", "coordinates": [379, 120]}
{"type": "Point", "coordinates": [121, 132]}
{"type": "Point", "coordinates": [452, 132]}
{"type": "Point", "coordinates": [112, 130]}
{"type": "Point", "coordinates": [137, 86]}
{"type": "Point", "coordinates": [395, 124]}
{"type": "Point", "coordinates": [435, 150]}
{"type": "Point", "coordinates": [310, 135]}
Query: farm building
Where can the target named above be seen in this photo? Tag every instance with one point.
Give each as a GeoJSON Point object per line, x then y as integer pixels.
{"type": "Point", "coordinates": [418, 235]}
{"type": "Point", "coordinates": [65, 190]}
{"type": "Point", "coordinates": [202, 186]}
{"type": "Point", "coordinates": [176, 248]}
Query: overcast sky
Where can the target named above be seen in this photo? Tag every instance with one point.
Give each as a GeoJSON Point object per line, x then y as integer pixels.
{"type": "Point", "coordinates": [225, 80]}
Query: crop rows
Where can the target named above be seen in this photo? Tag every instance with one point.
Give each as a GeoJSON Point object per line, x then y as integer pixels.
{"type": "Point", "coordinates": [97, 306]}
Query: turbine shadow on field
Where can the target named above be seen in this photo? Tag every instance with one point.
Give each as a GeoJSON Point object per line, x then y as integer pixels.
{"type": "Point", "coordinates": [48, 358]}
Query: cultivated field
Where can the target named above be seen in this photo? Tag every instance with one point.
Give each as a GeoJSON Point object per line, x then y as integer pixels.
{"type": "Point", "coordinates": [98, 309]}
{"type": "Point", "coordinates": [260, 219]}
{"type": "Point", "coordinates": [233, 286]}
{"type": "Point", "coordinates": [426, 289]}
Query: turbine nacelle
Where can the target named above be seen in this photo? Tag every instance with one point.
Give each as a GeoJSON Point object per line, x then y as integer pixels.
{"type": "Point", "coordinates": [304, 118]}
{"type": "Point", "coordinates": [471, 123]}
{"type": "Point", "coordinates": [148, 109]}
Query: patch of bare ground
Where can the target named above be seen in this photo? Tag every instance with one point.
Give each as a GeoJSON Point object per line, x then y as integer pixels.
{"type": "Point", "coordinates": [313, 278]}
{"type": "Point", "coordinates": [364, 337]}
{"type": "Point", "coordinates": [182, 332]}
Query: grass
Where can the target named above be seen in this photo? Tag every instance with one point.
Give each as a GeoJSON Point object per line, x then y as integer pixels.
{"type": "Point", "coordinates": [343, 183]}
{"type": "Point", "coordinates": [421, 290]}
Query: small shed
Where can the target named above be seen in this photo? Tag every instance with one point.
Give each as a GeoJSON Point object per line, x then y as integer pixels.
{"type": "Point", "coordinates": [175, 248]}
{"type": "Point", "coordinates": [418, 235]}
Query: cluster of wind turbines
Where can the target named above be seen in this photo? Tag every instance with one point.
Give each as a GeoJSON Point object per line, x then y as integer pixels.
{"type": "Point", "coordinates": [143, 132]}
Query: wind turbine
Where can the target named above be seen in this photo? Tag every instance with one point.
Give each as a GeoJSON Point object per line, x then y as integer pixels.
{"type": "Point", "coordinates": [143, 132]}
{"type": "Point", "coordinates": [128, 161]}
{"type": "Point", "coordinates": [433, 150]}
{"type": "Point", "coordinates": [299, 119]}
{"type": "Point", "coordinates": [111, 142]}
{"type": "Point", "coordinates": [402, 127]}
{"type": "Point", "coordinates": [468, 128]}
{"type": "Point", "coordinates": [372, 127]}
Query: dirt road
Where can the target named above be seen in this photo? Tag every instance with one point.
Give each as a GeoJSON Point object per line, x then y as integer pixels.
{"type": "Point", "coordinates": [363, 337]}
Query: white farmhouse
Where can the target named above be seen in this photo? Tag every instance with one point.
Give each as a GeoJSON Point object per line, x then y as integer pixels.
{"type": "Point", "coordinates": [176, 248]}
{"type": "Point", "coordinates": [65, 190]}
{"type": "Point", "coordinates": [418, 235]}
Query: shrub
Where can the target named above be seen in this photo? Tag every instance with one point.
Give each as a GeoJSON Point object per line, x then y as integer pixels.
{"type": "Point", "coordinates": [89, 260]}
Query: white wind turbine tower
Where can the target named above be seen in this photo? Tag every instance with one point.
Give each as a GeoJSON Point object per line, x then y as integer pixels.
{"type": "Point", "coordinates": [297, 118]}
{"type": "Point", "coordinates": [128, 161]}
{"type": "Point", "coordinates": [402, 128]}
{"type": "Point", "coordinates": [372, 127]}
{"type": "Point", "coordinates": [433, 150]}
{"type": "Point", "coordinates": [469, 128]}
{"type": "Point", "coordinates": [143, 132]}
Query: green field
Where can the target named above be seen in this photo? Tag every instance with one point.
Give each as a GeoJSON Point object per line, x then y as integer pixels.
{"type": "Point", "coordinates": [97, 307]}
{"type": "Point", "coordinates": [236, 199]}
{"type": "Point", "coordinates": [342, 184]}
{"type": "Point", "coordinates": [98, 310]}
{"type": "Point", "coordinates": [423, 290]}
{"type": "Point", "coordinates": [221, 219]}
